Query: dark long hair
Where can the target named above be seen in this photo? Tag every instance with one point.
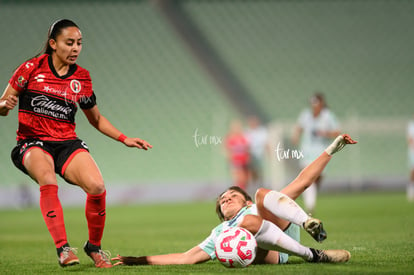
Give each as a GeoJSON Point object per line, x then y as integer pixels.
{"type": "Point", "coordinates": [235, 188]}
{"type": "Point", "coordinates": [54, 30]}
{"type": "Point", "coordinates": [319, 96]}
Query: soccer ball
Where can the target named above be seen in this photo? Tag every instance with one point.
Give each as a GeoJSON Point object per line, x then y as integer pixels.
{"type": "Point", "coordinates": [236, 247]}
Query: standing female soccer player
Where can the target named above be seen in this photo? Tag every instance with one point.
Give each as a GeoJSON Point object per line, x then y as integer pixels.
{"type": "Point", "coordinates": [316, 127]}
{"type": "Point", "coordinates": [238, 155]}
{"type": "Point", "coordinates": [48, 89]}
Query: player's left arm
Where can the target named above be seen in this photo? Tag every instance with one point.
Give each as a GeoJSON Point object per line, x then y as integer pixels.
{"type": "Point", "coordinates": [97, 120]}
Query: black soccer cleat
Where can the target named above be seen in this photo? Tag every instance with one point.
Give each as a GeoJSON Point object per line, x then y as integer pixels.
{"type": "Point", "coordinates": [315, 228]}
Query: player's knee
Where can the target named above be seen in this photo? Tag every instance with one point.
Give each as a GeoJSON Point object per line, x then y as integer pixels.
{"type": "Point", "coordinates": [260, 194]}
{"type": "Point", "coordinates": [251, 223]}
{"type": "Point", "coordinates": [94, 186]}
{"type": "Point", "coordinates": [44, 177]}
{"type": "Point", "coordinates": [96, 189]}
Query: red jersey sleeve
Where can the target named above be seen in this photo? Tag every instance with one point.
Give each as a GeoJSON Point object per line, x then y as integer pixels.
{"type": "Point", "coordinates": [21, 76]}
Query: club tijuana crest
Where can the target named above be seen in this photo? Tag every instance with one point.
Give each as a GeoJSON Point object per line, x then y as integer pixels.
{"type": "Point", "coordinates": [75, 86]}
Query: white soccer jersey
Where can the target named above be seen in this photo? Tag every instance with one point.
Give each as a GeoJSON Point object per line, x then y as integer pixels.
{"type": "Point", "coordinates": [257, 141]}
{"type": "Point", "coordinates": [313, 145]}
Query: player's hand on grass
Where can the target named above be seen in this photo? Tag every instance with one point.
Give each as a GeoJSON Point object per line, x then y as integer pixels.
{"type": "Point", "coordinates": [118, 258]}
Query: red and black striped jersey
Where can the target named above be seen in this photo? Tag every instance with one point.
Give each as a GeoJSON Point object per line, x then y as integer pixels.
{"type": "Point", "coordinates": [47, 101]}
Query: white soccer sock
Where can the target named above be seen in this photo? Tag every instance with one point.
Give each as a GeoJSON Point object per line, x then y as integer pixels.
{"type": "Point", "coordinates": [271, 237]}
{"type": "Point", "coordinates": [284, 207]}
{"type": "Point", "coordinates": [309, 197]}
{"type": "Point", "coordinates": [335, 146]}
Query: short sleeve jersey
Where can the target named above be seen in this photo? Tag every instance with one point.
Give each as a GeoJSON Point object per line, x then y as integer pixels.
{"type": "Point", "coordinates": [48, 102]}
{"type": "Point", "coordinates": [313, 145]}
{"type": "Point", "coordinates": [257, 139]}
{"type": "Point", "coordinates": [208, 245]}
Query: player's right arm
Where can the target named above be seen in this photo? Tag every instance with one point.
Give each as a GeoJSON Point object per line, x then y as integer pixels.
{"type": "Point", "coordinates": [193, 256]}
{"type": "Point", "coordinates": [17, 84]}
{"type": "Point", "coordinates": [8, 100]}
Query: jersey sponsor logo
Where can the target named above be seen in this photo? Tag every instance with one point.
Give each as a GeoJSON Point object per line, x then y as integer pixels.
{"type": "Point", "coordinates": [43, 101]}
{"type": "Point", "coordinates": [47, 106]}
{"type": "Point", "coordinates": [75, 86]}
{"type": "Point", "coordinates": [49, 89]}
{"type": "Point", "coordinates": [40, 77]}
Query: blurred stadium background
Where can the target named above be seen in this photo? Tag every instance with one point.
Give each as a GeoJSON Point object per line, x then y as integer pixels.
{"type": "Point", "coordinates": [166, 70]}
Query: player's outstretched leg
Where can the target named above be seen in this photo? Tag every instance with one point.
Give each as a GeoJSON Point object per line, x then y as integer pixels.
{"type": "Point", "coordinates": [271, 237]}
{"type": "Point", "coordinates": [281, 209]}
{"type": "Point", "coordinates": [314, 226]}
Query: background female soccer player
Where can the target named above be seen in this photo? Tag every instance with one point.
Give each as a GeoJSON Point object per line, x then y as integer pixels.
{"type": "Point", "coordinates": [316, 127]}
{"type": "Point", "coordinates": [48, 88]}
{"type": "Point", "coordinates": [275, 221]}
{"type": "Point", "coordinates": [238, 155]}
{"type": "Point", "coordinates": [410, 141]}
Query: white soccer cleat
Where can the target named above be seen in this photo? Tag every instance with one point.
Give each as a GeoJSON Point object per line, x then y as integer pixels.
{"type": "Point", "coordinates": [330, 256]}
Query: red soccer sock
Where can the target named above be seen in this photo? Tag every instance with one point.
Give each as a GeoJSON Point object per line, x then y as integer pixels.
{"type": "Point", "coordinates": [52, 213]}
{"type": "Point", "coordinates": [95, 215]}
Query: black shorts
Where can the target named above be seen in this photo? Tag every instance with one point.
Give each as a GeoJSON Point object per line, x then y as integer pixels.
{"type": "Point", "coordinates": [61, 152]}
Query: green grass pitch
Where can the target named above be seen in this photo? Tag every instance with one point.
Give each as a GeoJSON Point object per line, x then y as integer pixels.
{"type": "Point", "coordinates": [377, 228]}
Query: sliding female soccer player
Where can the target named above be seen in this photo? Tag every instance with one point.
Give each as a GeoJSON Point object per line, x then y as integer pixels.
{"type": "Point", "coordinates": [275, 220]}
